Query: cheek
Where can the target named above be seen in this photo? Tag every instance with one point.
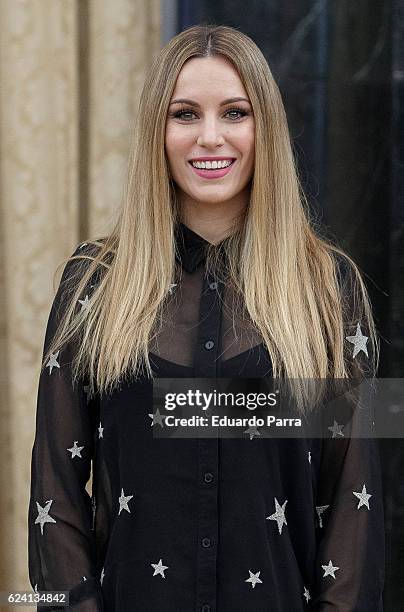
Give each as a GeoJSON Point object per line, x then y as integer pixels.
{"type": "Point", "coordinates": [249, 140]}
{"type": "Point", "coordinates": [176, 141]}
{"type": "Point", "coordinates": [171, 143]}
{"type": "Point", "coordinates": [244, 140]}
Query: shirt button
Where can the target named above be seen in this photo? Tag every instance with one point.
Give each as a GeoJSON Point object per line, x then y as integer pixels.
{"type": "Point", "coordinates": [206, 542]}
{"type": "Point", "coordinates": [213, 286]}
{"type": "Point", "coordinates": [209, 344]}
{"type": "Point", "coordinates": [205, 608]}
{"type": "Point", "coordinates": [208, 477]}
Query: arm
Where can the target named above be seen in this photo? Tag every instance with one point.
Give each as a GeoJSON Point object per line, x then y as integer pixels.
{"type": "Point", "coordinates": [61, 543]}
{"type": "Point", "coordinates": [351, 534]}
{"type": "Point", "coordinates": [350, 524]}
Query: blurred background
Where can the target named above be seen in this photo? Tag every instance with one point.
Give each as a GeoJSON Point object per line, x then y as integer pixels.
{"type": "Point", "coordinates": [71, 73]}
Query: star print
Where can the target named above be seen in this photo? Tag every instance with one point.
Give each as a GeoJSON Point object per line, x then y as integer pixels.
{"type": "Point", "coordinates": [329, 570]}
{"type": "Point", "coordinates": [359, 341]}
{"type": "Point", "coordinates": [53, 363]}
{"type": "Point", "coordinates": [123, 502]}
{"type": "Point", "coordinates": [43, 516]}
{"type": "Point", "coordinates": [254, 578]}
{"type": "Point", "coordinates": [159, 568]}
{"type": "Point", "coordinates": [102, 576]}
{"type": "Point", "coordinates": [309, 456]}
{"type": "Point", "coordinates": [85, 304]}
{"type": "Point", "coordinates": [279, 514]}
{"type": "Point", "coordinates": [100, 430]}
{"type": "Point", "coordinates": [306, 595]}
{"type": "Point", "coordinates": [320, 510]}
{"type": "Point", "coordinates": [157, 418]}
{"type": "Point", "coordinates": [336, 430]}
{"type": "Point", "coordinates": [253, 431]}
{"type": "Point", "coordinates": [172, 286]}
{"type": "Point", "coordinates": [363, 498]}
{"type": "Point", "coordinates": [75, 450]}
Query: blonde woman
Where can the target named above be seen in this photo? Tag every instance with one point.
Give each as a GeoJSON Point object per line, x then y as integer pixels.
{"type": "Point", "coordinates": [212, 270]}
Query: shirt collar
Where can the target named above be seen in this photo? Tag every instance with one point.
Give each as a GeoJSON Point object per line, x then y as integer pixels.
{"type": "Point", "coordinates": [191, 247]}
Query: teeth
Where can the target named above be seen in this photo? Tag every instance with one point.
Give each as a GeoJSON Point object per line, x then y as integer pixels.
{"type": "Point", "coordinates": [212, 165]}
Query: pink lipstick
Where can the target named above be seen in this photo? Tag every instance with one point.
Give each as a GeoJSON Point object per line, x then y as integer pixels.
{"type": "Point", "coordinates": [211, 174]}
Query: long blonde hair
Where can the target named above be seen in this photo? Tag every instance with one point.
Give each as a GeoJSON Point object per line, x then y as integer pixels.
{"type": "Point", "coordinates": [286, 273]}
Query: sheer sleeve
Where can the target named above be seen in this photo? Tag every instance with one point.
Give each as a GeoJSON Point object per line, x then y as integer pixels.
{"type": "Point", "coordinates": [61, 546]}
{"type": "Point", "coordinates": [350, 560]}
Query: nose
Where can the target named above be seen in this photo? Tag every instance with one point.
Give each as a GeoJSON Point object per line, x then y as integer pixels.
{"type": "Point", "coordinates": [210, 132]}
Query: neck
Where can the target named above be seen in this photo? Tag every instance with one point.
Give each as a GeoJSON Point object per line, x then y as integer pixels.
{"type": "Point", "coordinates": [214, 221]}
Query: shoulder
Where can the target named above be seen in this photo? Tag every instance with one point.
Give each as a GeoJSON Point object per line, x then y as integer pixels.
{"type": "Point", "coordinates": [346, 269]}
{"type": "Point", "coordinates": [79, 262]}
{"type": "Point", "coordinates": [351, 284]}
{"type": "Point", "coordinates": [88, 250]}
{"type": "Point", "coordinates": [85, 252]}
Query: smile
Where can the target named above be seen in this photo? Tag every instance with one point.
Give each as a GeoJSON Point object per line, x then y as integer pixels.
{"type": "Point", "coordinates": [213, 173]}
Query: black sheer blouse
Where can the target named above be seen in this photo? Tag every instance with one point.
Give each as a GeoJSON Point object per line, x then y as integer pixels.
{"type": "Point", "coordinates": [204, 525]}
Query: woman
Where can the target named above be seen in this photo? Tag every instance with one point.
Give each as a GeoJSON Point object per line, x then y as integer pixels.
{"type": "Point", "coordinates": [208, 272]}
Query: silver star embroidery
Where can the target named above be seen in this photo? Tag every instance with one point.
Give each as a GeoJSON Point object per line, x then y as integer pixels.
{"type": "Point", "coordinates": [309, 456]}
{"type": "Point", "coordinates": [329, 569]}
{"type": "Point", "coordinates": [279, 514]}
{"type": "Point", "coordinates": [336, 430]}
{"type": "Point", "coordinates": [102, 576]}
{"type": "Point", "coordinates": [320, 510]}
{"type": "Point", "coordinates": [159, 568]}
{"type": "Point", "coordinates": [100, 430]}
{"type": "Point", "coordinates": [306, 594]}
{"type": "Point", "coordinates": [253, 431]}
{"type": "Point", "coordinates": [43, 516]}
{"type": "Point", "coordinates": [254, 578]}
{"type": "Point", "coordinates": [172, 287]}
{"type": "Point", "coordinates": [157, 418]}
{"type": "Point", "coordinates": [53, 363]}
{"type": "Point", "coordinates": [85, 304]}
{"type": "Point", "coordinates": [75, 450]}
{"type": "Point", "coordinates": [359, 341]}
{"type": "Point", "coordinates": [123, 502]}
{"type": "Point", "coordinates": [363, 498]}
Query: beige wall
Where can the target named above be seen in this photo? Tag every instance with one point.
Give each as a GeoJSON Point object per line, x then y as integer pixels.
{"type": "Point", "coordinates": [71, 73]}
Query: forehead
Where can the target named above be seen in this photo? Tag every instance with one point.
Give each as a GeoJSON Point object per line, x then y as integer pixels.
{"type": "Point", "coordinates": [202, 76]}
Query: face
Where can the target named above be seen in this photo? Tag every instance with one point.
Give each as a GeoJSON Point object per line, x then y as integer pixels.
{"type": "Point", "coordinates": [207, 126]}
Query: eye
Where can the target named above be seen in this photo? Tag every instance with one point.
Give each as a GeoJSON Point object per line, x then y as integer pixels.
{"type": "Point", "coordinates": [242, 112]}
{"type": "Point", "coordinates": [186, 111]}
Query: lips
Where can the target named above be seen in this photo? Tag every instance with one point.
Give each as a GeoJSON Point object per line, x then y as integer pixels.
{"type": "Point", "coordinates": [211, 159]}
{"type": "Point", "coordinates": [215, 173]}
{"type": "Point", "coordinates": [233, 159]}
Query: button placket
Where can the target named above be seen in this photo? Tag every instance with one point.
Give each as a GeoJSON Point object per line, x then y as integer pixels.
{"type": "Point", "coordinates": [205, 366]}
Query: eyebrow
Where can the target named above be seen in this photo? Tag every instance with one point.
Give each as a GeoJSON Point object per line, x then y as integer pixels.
{"type": "Point", "coordinates": [193, 103]}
